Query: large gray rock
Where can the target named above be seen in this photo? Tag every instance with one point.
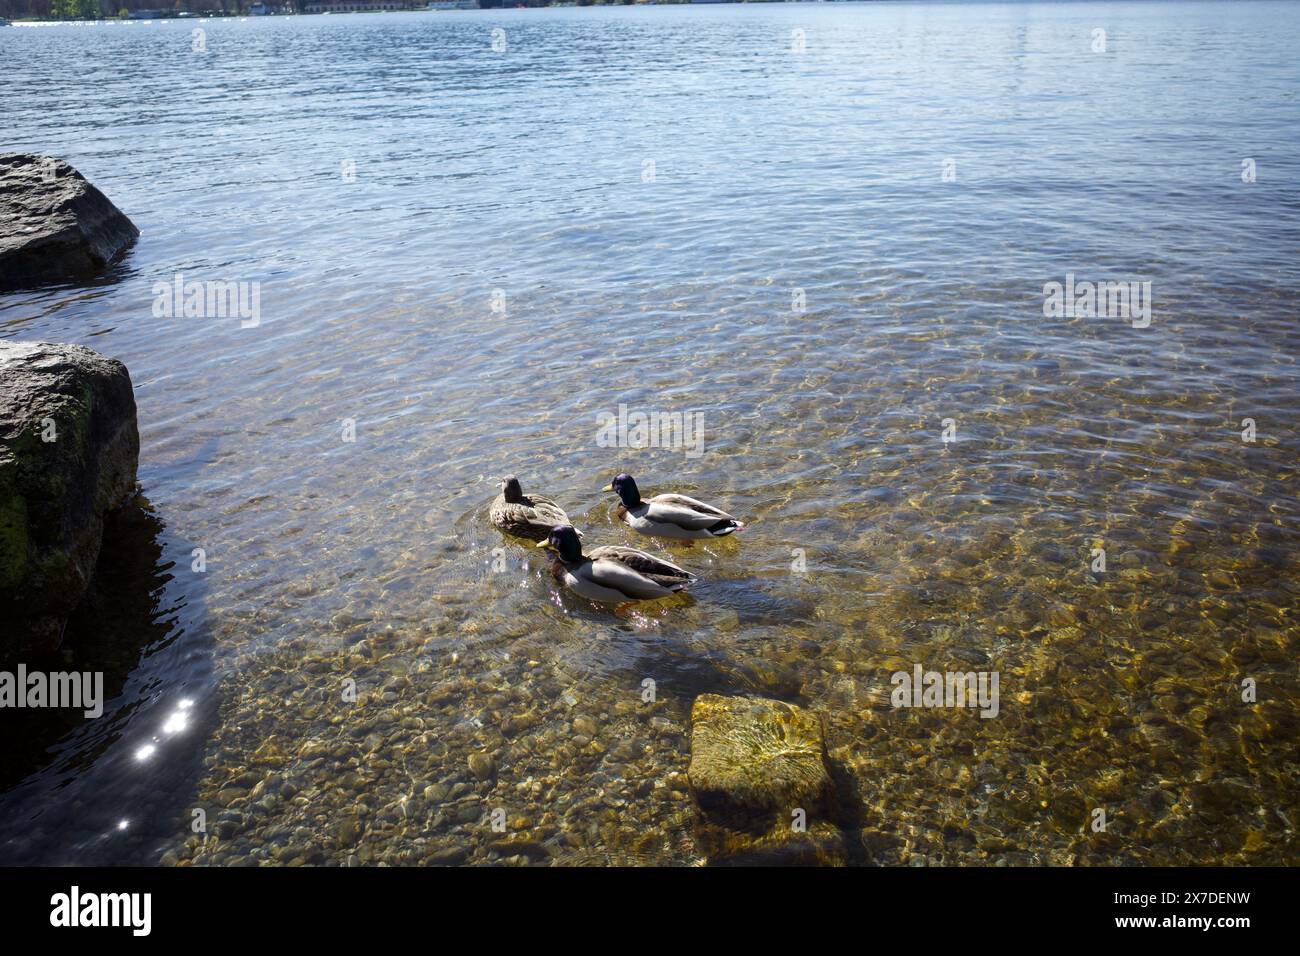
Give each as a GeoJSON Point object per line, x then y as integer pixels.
{"type": "Point", "coordinates": [54, 225]}
{"type": "Point", "coordinates": [69, 448]}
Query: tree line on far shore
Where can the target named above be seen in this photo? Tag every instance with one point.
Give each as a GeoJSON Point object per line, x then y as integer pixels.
{"type": "Point", "coordinates": [102, 9]}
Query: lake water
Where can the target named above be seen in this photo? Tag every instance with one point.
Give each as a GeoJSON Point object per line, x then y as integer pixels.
{"type": "Point", "coordinates": [825, 228]}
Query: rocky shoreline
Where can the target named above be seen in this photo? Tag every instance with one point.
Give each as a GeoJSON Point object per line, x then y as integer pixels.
{"type": "Point", "coordinates": [69, 444]}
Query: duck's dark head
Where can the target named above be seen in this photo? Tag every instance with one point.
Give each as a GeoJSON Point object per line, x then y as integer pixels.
{"type": "Point", "coordinates": [625, 487]}
{"type": "Point", "coordinates": [511, 488]}
{"type": "Point", "coordinates": [564, 539]}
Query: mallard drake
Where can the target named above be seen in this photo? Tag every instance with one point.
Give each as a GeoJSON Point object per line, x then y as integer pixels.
{"type": "Point", "coordinates": [670, 516]}
{"type": "Point", "coordinates": [524, 516]}
{"type": "Point", "coordinates": [613, 573]}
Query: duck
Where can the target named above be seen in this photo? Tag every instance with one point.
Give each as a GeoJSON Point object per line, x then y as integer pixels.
{"type": "Point", "coordinates": [669, 515]}
{"type": "Point", "coordinates": [613, 573]}
{"type": "Point", "coordinates": [525, 516]}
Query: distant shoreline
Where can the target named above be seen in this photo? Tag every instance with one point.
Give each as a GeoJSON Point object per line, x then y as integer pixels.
{"type": "Point", "coordinates": [248, 11]}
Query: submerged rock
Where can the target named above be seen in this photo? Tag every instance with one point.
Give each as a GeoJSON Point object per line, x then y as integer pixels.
{"type": "Point", "coordinates": [68, 455]}
{"type": "Point", "coordinates": [759, 777]}
{"type": "Point", "coordinates": [482, 766]}
{"type": "Point", "coordinates": [54, 225]}
{"type": "Point", "coordinates": [755, 758]}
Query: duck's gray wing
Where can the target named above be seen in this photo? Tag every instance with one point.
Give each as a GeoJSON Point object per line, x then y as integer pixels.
{"type": "Point", "coordinates": [641, 562]}
{"type": "Point", "coordinates": [611, 573]}
{"type": "Point", "coordinates": [684, 512]}
{"type": "Point", "coordinates": [686, 501]}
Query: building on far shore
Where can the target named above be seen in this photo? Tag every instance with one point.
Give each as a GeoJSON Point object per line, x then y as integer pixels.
{"type": "Point", "coordinates": [360, 6]}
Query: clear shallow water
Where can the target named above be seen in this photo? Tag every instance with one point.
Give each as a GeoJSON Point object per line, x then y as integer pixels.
{"type": "Point", "coordinates": [773, 171]}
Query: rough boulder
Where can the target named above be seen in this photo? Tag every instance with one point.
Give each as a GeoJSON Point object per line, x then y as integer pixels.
{"type": "Point", "coordinates": [69, 448]}
{"type": "Point", "coordinates": [54, 225]}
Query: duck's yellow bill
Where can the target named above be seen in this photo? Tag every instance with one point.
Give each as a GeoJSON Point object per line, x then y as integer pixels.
{"type": "Point", "coordinates": [608, 487]}
{"type": "Point", "coordinates": [543, 544]}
